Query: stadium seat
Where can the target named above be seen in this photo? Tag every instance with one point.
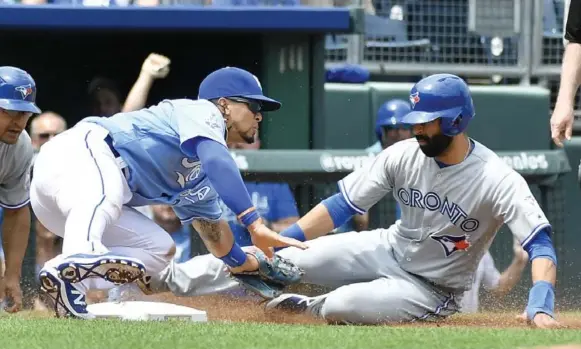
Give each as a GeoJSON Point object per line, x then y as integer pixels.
{"type": "Point", "coordinates": [380, 32]}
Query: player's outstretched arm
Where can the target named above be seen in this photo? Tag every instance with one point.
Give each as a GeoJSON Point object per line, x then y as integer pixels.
{"type": "Point", "coordinates": [15, 231]}
{"type": "Point", "coordinates": [359, 191]}
{"type": "Point", "coordinates": [326, 216]}
{"type": "Point", "coordinates": [225, 178]}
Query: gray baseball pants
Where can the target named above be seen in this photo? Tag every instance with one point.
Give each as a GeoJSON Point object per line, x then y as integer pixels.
{"type": "Point", "coordinates": [369, 286]}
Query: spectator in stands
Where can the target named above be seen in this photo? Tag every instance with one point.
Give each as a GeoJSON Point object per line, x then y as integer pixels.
{"type": "Point", "coordinates": [562, 118]}
{"type": "Point", "coordinates": [105, 96]}
{"type": "Point", "coordinates": [274, 201]}
{"type": "Point", "coordinates": [42, 129]}
{"type": "Point", "coordinates": [492, 280]}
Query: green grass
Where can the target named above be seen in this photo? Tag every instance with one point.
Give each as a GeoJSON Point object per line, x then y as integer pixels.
{"type": "Point", "coordinates": [24, 332]}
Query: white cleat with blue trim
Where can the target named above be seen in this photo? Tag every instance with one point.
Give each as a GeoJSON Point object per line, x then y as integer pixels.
{"type": "Point", "coordinates": [68, 300]}
{"type": "Point", "coordinates": [116, 269]}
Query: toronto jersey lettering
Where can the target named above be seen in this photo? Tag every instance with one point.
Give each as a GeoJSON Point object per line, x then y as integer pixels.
{"type": "Point", "coordinates": [449, 215]}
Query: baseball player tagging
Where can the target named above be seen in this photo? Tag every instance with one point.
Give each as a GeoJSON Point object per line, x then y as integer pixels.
{"type": "Point", "coordinates": [88, 178]}
{"type": "Point", "coordinates": [454, 195]}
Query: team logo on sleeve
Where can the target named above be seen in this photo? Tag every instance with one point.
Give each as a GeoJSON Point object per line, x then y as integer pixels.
{"type": "Point", "coordinates": [451, 243]}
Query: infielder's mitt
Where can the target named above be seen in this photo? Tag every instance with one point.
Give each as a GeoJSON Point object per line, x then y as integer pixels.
{"type": "Point", "coordinates": [271, 277]}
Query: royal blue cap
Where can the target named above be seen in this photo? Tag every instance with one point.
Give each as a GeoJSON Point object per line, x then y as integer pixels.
{"type": "Point", "coordinates": [235, 82]}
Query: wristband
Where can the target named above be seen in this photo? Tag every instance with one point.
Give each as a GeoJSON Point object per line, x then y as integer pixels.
{"type": "Point", "coordinates": [541, 299]}
{"type": "Point", "coordinates": [294, 232]}
{"type": "Point", "coordinates": [235, 258]}
{"type": "Point", "coordinates": [248, 217]}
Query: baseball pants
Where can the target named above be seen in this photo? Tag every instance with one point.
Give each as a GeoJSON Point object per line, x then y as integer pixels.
{"type": "Point", "coordinates": [369, 286]}
{"type": "Point", "coordinates": [79, 192]}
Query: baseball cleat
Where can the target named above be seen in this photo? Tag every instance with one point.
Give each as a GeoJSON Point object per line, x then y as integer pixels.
{"type": "Point", "coordinates": [67, 300]}
{"type": "Point", "coordinates": [116, 269]}
{"type": "Point", "coordinates": [296, 303]}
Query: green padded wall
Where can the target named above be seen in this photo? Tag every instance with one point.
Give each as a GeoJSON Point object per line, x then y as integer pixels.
{"type": "Point", "coordinates": [286, 76]}
{"type": "Point", "coordinates": [345, 123]}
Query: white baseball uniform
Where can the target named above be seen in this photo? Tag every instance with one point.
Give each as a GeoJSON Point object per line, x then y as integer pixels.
{"type": "Point", "coordinates": [85, 192]}
{"type": "Point", "coordinates": [419, 267]}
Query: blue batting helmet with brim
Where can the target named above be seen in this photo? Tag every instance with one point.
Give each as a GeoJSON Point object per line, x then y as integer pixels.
{"type": "Point", "coordinates": [441, 96]}
{"type": "Point", "coordinates": [235, 82]}
{"type": "Point", "coordinates": [17, 90]}
{"type": "Point", "coordinates": [391, 114]}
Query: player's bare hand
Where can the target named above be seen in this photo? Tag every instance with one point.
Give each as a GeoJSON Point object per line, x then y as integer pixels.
{"type": "Point", "coordinates": [13, 295]}
{"type": "Point", "coordinates": [542, 320]}
{"type": "Point", "coordinates": [562, 123]}
{"type": "Point", "coordinates": [156, 66]}
{"type": "Point", "coordinates": [264, 239]}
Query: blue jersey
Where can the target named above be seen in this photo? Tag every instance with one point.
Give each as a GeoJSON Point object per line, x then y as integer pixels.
{"type": "Point", "coordinates": [151, 143]}
{"type": "Point", "coordinates": [273, 201]}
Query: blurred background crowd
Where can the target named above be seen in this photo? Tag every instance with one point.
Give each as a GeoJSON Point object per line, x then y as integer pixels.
{"type": "Point", "coordinates": [487, 42]}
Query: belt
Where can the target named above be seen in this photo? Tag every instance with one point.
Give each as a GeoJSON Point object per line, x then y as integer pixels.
{"type": "Point", "coordinates": [109, 142]}
{"type": "Point", "coordinates": [120, 162]}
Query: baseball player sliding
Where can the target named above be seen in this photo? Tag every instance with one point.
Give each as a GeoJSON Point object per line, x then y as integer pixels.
{"type": "Point", "coordinates": [454, 195]}
{"type": "Point", "coordinates": [17, 105]}
{"type": "Point", "coordinates": [88, 178]}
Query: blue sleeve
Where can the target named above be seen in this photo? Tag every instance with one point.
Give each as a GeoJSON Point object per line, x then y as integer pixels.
{"type": "Point", "coordinates": [339, 210]}
{"type": "Point", "coordinates": [541, 246]}
{"type": "Point", "coordinates": [284, 202]}
{"type": "Point", "coordinates": [223, 174]}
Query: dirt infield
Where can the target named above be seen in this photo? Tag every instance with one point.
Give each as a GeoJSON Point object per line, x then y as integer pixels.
{"type": "Point", "coordinates": [232, 309]}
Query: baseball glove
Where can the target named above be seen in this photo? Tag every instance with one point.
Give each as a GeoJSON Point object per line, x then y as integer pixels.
{"type": "Point", "coordinates": [271, 277]}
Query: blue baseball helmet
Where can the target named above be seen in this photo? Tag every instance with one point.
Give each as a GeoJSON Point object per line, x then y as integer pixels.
{"type": "Point", "coordinates": [235, 82]}
{"type": "Point", "coordinates": [391, 114]}
{"type": "Point", "coordinates": [441, 96]}
{"type": "Point", "coordinates": [17, 90]}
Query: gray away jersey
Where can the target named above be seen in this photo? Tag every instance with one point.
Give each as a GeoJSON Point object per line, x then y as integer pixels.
{"type": "Point", "coordinates": [449, 215]}
{"type": "Point", "coordinates": [15, 160]}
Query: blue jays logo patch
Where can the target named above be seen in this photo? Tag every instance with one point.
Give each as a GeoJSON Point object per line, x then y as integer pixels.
{"type": "Point", "coordinates": [451, 243]}
{"type": "Point", "coordinates": [25, 90]}
{"type": "Point", "coordinates": [414, 99]}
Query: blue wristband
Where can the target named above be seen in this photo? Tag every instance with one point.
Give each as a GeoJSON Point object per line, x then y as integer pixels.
{"type": "Point", "coordinates": [249, 218]}
{"type": "Point", "coordinates": [235, 258]}
{"type": "Point", "coordinates": [541, 299]}
{"type": "Point", "coordinates": [294, 232]}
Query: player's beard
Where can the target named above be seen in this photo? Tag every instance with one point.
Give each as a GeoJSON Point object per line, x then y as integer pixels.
{"type": "Point", "coordinates": [434, 145]}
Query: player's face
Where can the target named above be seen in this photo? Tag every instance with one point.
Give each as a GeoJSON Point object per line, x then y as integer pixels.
{"type": "Point", "coordinates": [394, 135]}
{"type": "Point", "coordinates": [12, 123]}
{"type": "Point", "coordinates": [432, 141]}
{"type": "Point", "coordinates": [244, 116]}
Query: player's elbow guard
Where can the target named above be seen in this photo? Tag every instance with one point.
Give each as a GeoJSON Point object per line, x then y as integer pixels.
{"type": "Point", "coordinates": [339, 209]}
{"type": "Point", "coordinates": [541, 246]}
